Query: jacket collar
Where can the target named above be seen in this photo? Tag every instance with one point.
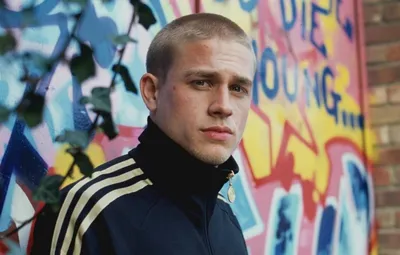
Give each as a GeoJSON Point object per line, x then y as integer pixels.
{"type": "Point", "coordinates": [173, 169]}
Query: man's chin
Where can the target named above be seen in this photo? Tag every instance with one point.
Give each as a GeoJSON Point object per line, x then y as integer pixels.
{"type": "Point", "coordinates": [213, 156]}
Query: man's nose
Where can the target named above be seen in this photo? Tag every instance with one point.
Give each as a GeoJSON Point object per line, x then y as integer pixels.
{"type": "Point", "coordinates": [221, 103]}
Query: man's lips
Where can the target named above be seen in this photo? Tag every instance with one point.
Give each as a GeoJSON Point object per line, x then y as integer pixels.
{"type": "Point", "coordinates": [219, 133]}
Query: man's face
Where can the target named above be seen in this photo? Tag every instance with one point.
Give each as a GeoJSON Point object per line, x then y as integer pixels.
{"type": "Point", "coordinates": [204, 102]}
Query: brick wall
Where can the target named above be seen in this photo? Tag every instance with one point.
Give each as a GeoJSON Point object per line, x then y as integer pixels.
{"type": "Point", "coordinates": [382, 35]}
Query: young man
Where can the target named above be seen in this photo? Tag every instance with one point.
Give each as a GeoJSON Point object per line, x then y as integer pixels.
{"type": "Point", "coordinates": [163, 196]}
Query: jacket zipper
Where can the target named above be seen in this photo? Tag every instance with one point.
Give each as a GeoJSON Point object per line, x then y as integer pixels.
{"type": "Point", "coordinates": [206, 231]}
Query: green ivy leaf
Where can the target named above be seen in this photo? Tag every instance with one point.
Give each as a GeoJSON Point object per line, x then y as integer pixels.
{"type": "Point", "coordinates": [30, 109]}
{"type": "Point", "coordinates": [107, 125]}
{"type": "Point", "coordinates": [122, 39]}
{"type": "Point", "coordinates": [100, 99]}
{"type": "Point", "coordinates": [126, 77]}
{"type": "Point", "coordinates": [146, 16]}
{"type": "Point", "coordinates": [83, 161]}
{"type": "Point", "coordinates": [82, 66]}
{"type": "Point", "coordinates": [76, 138]}
{"type": "Point", "coordinates": [4, 113]}
{"type": "Point", "coordinates": [49, 189]}
{"type": "Point", "coordinates": [7, 43]}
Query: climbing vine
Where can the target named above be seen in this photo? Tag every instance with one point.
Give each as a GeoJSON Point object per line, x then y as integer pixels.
{"type": "Point", "coordinates": [82, 66]}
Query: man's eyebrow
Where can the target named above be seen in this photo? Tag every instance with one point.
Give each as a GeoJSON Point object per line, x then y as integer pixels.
{"type": "Point", "coordinates": [201, 73]}
{"type": "Point", "coordinates": [212, 74]}
{"type": "Point", "coordinates": [243, 80]}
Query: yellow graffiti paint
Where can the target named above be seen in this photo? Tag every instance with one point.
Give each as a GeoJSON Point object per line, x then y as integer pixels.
{"type": "Point", "coordinates": [231, 11]}
{"type": "Point", "coordinates": [63, 160]}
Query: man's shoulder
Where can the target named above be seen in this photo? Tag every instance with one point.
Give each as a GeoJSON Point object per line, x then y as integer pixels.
{"type": "Point", "coordinates": [102, 173]}
{"type": "Point", "coordinates": [109, 181]}
{"type": "Point", "coordinates": [84, 203]}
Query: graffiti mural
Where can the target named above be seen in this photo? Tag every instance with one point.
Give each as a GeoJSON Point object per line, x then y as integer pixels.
{"type": "Point", "coordinates": [305, 183]}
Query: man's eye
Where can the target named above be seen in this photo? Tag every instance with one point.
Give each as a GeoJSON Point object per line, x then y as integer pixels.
{"type": "Point", "coordinates": [238, 88]}
{"type": "Point", "coordinates": [200, 83]}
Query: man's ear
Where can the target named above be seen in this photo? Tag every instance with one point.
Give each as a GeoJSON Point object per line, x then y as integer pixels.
{"type": "Point", "coordinates": [149, 90]}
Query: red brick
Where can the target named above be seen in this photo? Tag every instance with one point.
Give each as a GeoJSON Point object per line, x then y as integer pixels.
{"type": "Point", "coordinates": [383, 53]}
{"type": "Point", "coordinates": [389, 239]}
{"type": "Point", "coordinates": [389, 156]}
{"type": "Point", "coordinates": [387, 198]}
{"type": "Point", "coordinates": [376, 53]}
{"type": "Point", "coordinates": [397, 216]}
{"type": "Point", "coordinates": [382, 176]}
{"type": "Point", "coordinates": [378, 95]}
{"type": "Point", "coordinates": [391, 11]}
{"type": "Point", "coordinates": [386, 218]}
{"type": "Point", "coordinates": [388, 251]}
{"type": "Point", "coordinates": [393, 92]}
{"type": "Point", "coordinates": [383, 74]}
{"type": "Point", "coordinates": [387, 114]}
{"type": "Point", "coordinates": [394, 134]}
{"type": "Point", "coordinates": [382, 135]}
{"type": "Point", "coordinates": [396, 177]}
{"type": "Point", "coordinates": [371, 2]}
{"type": "Point", "coordinates": [373, 13]}
{"type": "Point", "coordinates": [382, 33]}
{"type": "Point", "coordinates": [393, 52]}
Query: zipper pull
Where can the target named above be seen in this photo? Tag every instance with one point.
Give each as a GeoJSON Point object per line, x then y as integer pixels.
{"type": "Point", "coordinates": [231, 190]}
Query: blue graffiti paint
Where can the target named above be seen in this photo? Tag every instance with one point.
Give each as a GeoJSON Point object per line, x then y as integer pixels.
{"type": "Point", "coordinates": [3, 91]}
{"type": "Point", "coordinates": [283, 224]}
{"type": "Point", "coordinates": [158, 10]}
{"type": "Point", "coordinates": [5, 215]}
{"type": "Point", "coordinates": [347, 26]}
{"type": "Point", "coordinates": [248, 5]}
{"type": "Point", "coordinates": [23, 160]}
{"type": "Point", "coordinates": [354, 224]}
{"type": "Point", "coordinates": [344, 117]}
{"type": "Point", "coordinates": [336, 98]}
{"type": "Point", "coordinates": [20, 157]}
{"type": "Point", "coordinates": [360, 120]}
{"type": "Point", "coordinates": [303, 20]}
{"type": "Point", "coordinates": [352, 121]}
{"type": "Point", "coordinates": [311, 86]}
{"type": "Point", "coordinates": [288, 24]}
{"type": "Point", "coordinates": [99, 36]}
{"type": "Point", "coordinates": [255, 95]}
{"type": "Point", "coordinates": [326, 231]}
{"type": "Point", "coordinates": [359, 187]}
{"type": "Point", "coordinates": [290, 95]}
{"type": "Point", "coordinates": [315, 10]}
{"type": "Point", "coordinates": [80, 114]}
{"type": "Point", "coordinates": [269, 57]}
{"type": "Point", "coordinates": [344, 245]}
{"type": "Point", "coordinates": [316, 87]}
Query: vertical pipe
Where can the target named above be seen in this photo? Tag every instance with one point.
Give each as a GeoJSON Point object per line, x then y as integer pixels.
{"type": "Point", "coordinates": [197, 6]}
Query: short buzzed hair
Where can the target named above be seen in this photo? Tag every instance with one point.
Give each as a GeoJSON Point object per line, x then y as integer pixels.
{"type": "Point", "coordinates": [192, 27]}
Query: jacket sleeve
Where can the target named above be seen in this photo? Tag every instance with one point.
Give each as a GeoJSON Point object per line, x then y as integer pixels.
{"type": "Point", "coordinates": [43, 228]}
{"type": "Point", "coordinates": [64, 232]}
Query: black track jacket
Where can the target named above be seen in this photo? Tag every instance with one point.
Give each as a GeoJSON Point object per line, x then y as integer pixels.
{"type": "Point", "coordinates": [156, 200]}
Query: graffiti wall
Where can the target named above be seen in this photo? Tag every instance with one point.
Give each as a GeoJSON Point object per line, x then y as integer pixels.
{"type": "Point", "coordinates": [305, 183]}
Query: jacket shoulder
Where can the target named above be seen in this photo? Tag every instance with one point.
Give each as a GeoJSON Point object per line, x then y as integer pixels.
{"type": "Point", "coordinates": [84, 202]}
